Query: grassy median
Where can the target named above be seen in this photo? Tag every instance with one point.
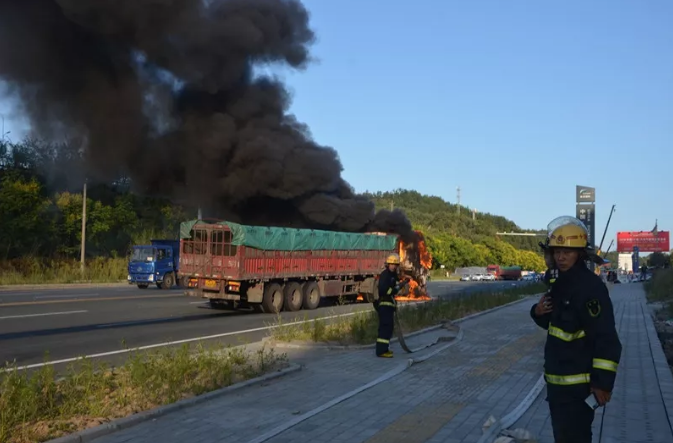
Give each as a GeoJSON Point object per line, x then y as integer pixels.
{"type": "Point", "coordinates": [41, 405]}
{"type": "Point", "coordinates": [361, 328]}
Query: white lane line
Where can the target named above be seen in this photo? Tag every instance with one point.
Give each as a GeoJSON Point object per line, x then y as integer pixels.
{"type": "Point", "coordinates": [42, 315]}
{"type": "Point", "coordinates": [178, 342]}
{"type": "Point", "coordinates": [67, 296]}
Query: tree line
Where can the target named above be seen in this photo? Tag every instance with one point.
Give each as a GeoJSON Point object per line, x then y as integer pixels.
{"type": "Point", "coordinates": [41, 215]}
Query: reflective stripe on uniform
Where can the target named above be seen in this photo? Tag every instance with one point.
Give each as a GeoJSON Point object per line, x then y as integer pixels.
{"type": "Point", "coordinates": [565, 336]}
{"type": "Point", "coordinates": [608, 365]}
{"type": "Point", "coordinates": [387, 303]}
{"type": "Point", "coordinates": [575, 379]}
{"type": "Point", "coordinates": [390, 291]}
{"type": "Point", "coordinates": [382, 340]}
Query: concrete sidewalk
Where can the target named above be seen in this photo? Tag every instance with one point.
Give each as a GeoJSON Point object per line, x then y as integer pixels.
{"type": "Point", "coordinates": [447, 398]}
{"type": "Point", "coordinates": [641, 409]}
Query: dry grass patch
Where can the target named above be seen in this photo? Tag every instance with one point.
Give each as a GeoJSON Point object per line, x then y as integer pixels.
{"type": "Point", "coordinates": [361, 328]}
{"type": "Point", "coordinates": [32, 270]}
{"type": "Point", "coordinates": [36, 406]}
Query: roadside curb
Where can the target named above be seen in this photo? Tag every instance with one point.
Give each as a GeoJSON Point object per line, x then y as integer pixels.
{"type": "Point", "coordinates": [91, 434]}
{"type": "Point", "coordinates": [84, 285]}
{"type": "Point", "coordinates": [304, 345]}
{"type": "Point", "coordinates": [663, 373]}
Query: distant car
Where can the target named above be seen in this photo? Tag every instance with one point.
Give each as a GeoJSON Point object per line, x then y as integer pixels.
{"type": "Point", "coordinates": [529, 277]}
{"type": "Point", "coordinates": [488, 277]}
{"type": "Point", "coordinates": [465, 277]}
{"type": "Point", "coordinates": [477, 277]}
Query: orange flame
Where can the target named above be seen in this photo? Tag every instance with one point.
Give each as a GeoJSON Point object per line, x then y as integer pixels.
{"type": "Point", "coordinates": [415, 261]}
{"type": "Point", "coordinates": [424, 254]}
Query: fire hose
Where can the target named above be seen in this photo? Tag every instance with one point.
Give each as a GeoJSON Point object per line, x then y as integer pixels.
{"type": "Point", "coordinates": [400, 333]}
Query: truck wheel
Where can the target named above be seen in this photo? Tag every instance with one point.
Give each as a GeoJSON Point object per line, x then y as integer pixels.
{"type": "Point", "coordinates": [168, 281]}
{"type": "Point", "coordinates": [143, 285]}
{"type": "Point", "coordinates": [184, 282]}
{"type": "Point", "coordinates": [272, 303]}
{"type": "Point", "coordinates": [293, 296]}
{"type": "Point", "coordinates": [368, 297]}
{"type": "Point", "coordinates": [311, 295]}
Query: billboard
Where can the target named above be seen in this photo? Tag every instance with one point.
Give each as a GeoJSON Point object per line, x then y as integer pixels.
{"type": "Point", "coordinates": [585, 194]}
{"type": "Point", "coordinates": [646, 241]}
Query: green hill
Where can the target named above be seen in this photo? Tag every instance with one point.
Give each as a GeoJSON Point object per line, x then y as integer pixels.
{"type": "Point", "coordinates": [457, 240]}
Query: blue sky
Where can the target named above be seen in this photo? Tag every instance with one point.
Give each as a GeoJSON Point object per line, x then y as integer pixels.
{"type": "Point", "coordinates": [516, 102]}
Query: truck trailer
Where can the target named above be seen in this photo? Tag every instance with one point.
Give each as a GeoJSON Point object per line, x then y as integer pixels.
{"type": "Point", "coordinates": [272, 269]}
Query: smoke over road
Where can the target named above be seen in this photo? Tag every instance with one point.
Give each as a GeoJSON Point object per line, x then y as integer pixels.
{"type": "Point", "coordinates": [163, 92]}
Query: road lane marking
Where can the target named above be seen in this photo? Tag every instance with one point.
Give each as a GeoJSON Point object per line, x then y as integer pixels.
{"type": "Point", "coordinates": [179, 342]}
{"type": "Point", "coordinates": [79, 300]}
{"type": "Point", "coordinates": [46, 297]}
{"type": "Point", "coordinates": [42, 315]}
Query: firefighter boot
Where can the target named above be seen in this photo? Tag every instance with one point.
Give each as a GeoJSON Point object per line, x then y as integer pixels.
{"type": "Point", "coordinates": [387, 354]}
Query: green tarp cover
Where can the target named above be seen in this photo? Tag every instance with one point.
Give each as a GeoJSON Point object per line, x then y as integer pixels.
{"type": "Point", "coordinates": [290, 239]}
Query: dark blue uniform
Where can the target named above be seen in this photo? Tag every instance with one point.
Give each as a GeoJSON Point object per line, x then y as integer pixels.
{"type": "Point", "coordinates": [385, 306]}
{"type": "Point", "coordinates": [582, 350]}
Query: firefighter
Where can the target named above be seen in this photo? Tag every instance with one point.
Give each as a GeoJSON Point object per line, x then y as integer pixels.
{"type": "Point", "coordinates": [583, 350]}
{"type": "Point", "coordinates": [389, 285]}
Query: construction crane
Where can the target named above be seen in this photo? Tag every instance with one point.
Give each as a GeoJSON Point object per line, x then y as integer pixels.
{"type": "Point", "coordinates": [529, 234]}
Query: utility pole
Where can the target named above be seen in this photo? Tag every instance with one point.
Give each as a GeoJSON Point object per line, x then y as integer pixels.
{"type": "Point", "coordinates": [83, 246]}
{"type": "Point", "coordinates": [474, 214]}
{"type": "Point", "coordinates": [458, 198]}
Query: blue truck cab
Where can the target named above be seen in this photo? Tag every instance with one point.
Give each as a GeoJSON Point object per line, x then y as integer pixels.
{"type": "Point", "coordinates": [156, 263]}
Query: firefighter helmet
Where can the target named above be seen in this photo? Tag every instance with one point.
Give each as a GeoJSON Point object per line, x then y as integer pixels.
{"type": "Point", "coordinates": [567, 232]}
{"type": "Point", "coordinates": [393, 259]}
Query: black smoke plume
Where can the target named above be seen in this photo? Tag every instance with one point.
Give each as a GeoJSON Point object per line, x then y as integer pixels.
{"type": "Point", "coordinates": [164, 92]}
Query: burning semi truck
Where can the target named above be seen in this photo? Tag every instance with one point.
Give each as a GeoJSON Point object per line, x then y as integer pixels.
{"type": "Point", "coordinates": [272, 269]}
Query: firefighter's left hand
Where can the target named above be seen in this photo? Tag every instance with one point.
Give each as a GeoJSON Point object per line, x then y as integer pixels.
{"type": "Point", "coordinates": [602, 397]}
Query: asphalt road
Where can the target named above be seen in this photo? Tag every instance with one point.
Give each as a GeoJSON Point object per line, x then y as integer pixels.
{"type": "Point", "coordinates": [68, 323]}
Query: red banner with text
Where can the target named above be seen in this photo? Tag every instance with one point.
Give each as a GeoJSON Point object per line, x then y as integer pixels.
{"type": "Point", "coordinates": [645, 240]}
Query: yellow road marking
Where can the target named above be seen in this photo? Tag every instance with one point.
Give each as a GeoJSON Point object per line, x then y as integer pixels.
{"type": "Point", "coordinates": [137, 297]}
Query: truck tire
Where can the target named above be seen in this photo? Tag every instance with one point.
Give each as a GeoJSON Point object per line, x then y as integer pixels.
{"type": "Point", "coordinates": [184, 281]}
{"type": "Point", "coordinates": [272, 303]}
{"type": "Point", "coordinates": [168, 282]}
{"type": "Point", "coordinates": [311, 293]}
{"type": "Point", "coordinates": [293, 296]}
{"type": "Point", "coordinates": [143, 285]}
{"type": "Point", "coordinates": [368, 297]}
